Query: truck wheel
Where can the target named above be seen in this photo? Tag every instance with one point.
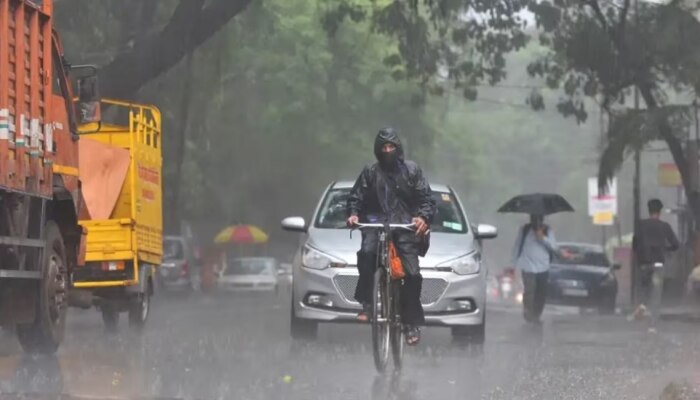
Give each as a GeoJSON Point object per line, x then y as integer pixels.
{"type": "Point", "coordinates": [45, 334]}
{"type": "Point", "coordinates": [110, 317]}
{"type": "Point", "coordinates": [139, 308]}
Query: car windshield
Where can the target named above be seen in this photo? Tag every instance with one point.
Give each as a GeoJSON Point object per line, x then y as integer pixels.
{"type": "Point", "coordinates": [448, 219]}
{"type": "Point", "coordinates": [582, 255]}
{"type": "Point", "coordinates": [250, 266]}
{"type": "Point", "coordinates": [173, 249]}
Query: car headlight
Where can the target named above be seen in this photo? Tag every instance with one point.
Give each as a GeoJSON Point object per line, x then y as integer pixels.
{"type": "Point", "coordinates": [465, 265]}
{"type": "Point", "coordinates": [314, 259]}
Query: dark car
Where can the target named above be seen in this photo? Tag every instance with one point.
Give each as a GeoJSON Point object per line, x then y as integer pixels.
{"type": "Point", "coordinates": [585, 279]}
{"type": "Point", "coordinates": [175, 272]}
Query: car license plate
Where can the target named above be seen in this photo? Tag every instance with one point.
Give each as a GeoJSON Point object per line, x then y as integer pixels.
{"type": "Point", "coordinates": [575, 292]}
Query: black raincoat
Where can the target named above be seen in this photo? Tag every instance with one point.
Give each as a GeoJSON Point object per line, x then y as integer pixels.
{"type": "Point", "coordinates": [392, 189]}
{"type": "Point", "coordinates": [397, 192]}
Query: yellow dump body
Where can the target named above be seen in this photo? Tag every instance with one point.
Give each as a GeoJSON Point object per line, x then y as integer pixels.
{"type": "Point", "coordinates": [121, 171]}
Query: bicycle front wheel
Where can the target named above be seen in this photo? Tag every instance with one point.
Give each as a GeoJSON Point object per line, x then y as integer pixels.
{"type": "Point", "coordinates": [380, 320]}
{"type": "Point", "coordinates": [397, 332]}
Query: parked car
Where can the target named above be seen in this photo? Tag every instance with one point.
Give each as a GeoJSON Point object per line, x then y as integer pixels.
{"type": "Point", "coordinates": [586, 279]}
{"type": "Point", "coordinates": [325, 273]}
{"type": "Point", "coordinates": [176, 271]}
{"type": "Point", "coordinates": [249, 274]}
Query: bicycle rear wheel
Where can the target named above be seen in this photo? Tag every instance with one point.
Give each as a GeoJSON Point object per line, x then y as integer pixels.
{"type": "Point", "coordinates": [397, 332]}
{"type": "Point", "coordinates": [380, 320]}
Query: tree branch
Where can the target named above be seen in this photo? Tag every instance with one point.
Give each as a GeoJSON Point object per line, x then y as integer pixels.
{"type": "Point", "coordinates": [674, 144]}
{"type": "Point", "coordinates": [622, 24]}
{"type": "Point", "coordinates": [188, 28]}
{"type": "Point", "coordinates": [595, 6]}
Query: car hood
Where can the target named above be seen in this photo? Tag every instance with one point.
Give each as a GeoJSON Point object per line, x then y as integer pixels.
{"type": "Point", "coordinates": [337, 243]}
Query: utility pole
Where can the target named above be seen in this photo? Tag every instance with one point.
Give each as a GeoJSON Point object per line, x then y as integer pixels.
{"type": "Point", "coordinates": [636, 193]}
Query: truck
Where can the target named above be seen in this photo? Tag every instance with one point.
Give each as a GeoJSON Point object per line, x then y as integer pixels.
{"type": "Point", "coordinates": [120, 170]}
{"type": "Point", "coordinates": [41, 241]}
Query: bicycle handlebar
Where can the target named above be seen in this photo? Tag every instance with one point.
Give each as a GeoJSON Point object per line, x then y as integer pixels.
{"type": "Point", "coordinates": [408, 227]}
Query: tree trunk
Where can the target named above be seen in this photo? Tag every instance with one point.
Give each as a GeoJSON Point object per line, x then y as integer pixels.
{"type": "Point", "coordinates": [676, 148]}
{"type": "Point", "coordinates": [179, 138]}
{"type": "Point", "coordinates": [190, 26]}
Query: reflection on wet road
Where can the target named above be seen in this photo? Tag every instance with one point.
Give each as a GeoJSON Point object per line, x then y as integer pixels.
{"type": "Point", "coordinates": [238, 347]}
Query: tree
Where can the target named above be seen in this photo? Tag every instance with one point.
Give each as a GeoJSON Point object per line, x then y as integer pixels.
{"type": "Point", "coordinates": [607, 50]}
{"type": "Point", "coordinates": [279, 110]}
{"type": "Point", "coordinates": [140, 51]}
{"type": "Point", "coordinates": [600, 49]}
{"type": "Point", "coordinates": [146, 51]}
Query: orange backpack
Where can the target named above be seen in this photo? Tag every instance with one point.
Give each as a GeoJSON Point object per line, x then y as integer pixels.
{"type": "Point", "coordinates": [397, 271]}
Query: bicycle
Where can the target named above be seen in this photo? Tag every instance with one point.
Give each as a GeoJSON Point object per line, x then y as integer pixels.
{"type": "Point", "coordinates": [387, 329]}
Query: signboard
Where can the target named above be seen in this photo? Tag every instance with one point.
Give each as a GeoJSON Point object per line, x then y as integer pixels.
{"type": "Point", "coordinates": [668, 175]}
{"type": "Point", "coordinates": [603, 208]}
{"type": "Point", "coordinates": [604, 218]}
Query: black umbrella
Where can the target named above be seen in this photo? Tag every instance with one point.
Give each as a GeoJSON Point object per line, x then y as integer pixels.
{"type": "Point", "coordinates": [536, 203]}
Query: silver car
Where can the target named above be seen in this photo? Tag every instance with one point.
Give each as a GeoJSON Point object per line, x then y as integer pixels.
{"type": "Point", "coordinates": [249, 274]}
{"type": "Point", "coordinates": [325, 272]}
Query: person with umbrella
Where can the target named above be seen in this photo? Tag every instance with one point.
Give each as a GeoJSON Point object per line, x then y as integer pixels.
{"type": "Point", "coordinates": [534, 247]}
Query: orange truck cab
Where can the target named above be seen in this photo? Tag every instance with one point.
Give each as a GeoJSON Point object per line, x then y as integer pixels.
{"type": "Point", "coordinates": [41, 241]}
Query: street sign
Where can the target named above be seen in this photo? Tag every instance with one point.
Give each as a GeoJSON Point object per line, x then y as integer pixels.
{"type": "Point", "coordinates": [605, 205]}
{"type": "Point", "coordinates": [668, 175]}
{"type": "Point", "coordinates": [605, 218]}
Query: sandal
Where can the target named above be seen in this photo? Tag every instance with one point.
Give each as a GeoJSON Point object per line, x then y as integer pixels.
{"type": "Point", "coordinates": [366, 313]}
{"type": "Point", "coordinates": [412, 335]}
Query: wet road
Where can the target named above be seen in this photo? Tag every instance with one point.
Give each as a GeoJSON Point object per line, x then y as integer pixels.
{"type": "Point", "coordinates": [238, 347]}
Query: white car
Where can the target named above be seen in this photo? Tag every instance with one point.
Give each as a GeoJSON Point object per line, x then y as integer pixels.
{"type": "Point", "coordinates": [249, 274]}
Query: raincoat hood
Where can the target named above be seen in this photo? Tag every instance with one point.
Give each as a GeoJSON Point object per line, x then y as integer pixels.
{"type": "Point", "coordinates": [388, 135]}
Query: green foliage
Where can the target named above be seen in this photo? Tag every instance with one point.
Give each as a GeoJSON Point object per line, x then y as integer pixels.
{"type": "Point", "coordinates": [286, 98]}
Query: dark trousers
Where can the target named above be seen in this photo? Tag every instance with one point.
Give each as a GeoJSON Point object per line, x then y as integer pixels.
{"type": "Point", "coordinates": [535, 294]}
{"type": "Point", "coordinates": [406, 245]}
{"type": "Point", "coordinates": [645, 273]}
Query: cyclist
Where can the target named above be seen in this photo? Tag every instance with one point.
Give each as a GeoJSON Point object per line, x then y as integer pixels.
{"type": "Point", "coordinates": [393, 189]}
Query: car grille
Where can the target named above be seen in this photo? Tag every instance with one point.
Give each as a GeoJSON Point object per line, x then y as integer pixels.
{"type": "Point", "coordinates": [433, 288]}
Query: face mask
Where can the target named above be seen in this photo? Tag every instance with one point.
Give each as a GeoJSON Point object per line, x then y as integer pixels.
{"type": "Point", "coordinates": [389, 159]}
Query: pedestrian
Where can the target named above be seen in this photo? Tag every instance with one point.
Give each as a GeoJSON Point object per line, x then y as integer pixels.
{"type": "Point", "coordinates": [532, 255]}
{"type": "Point", "coordinates": [653, 238]}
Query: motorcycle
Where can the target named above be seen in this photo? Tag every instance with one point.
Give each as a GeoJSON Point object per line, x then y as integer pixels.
{"type": "Point", "coordinates": [510, 290]}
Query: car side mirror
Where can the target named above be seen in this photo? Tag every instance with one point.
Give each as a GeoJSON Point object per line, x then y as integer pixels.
{"type": "Point", "coordinates": [294, 224]}
{"type": "Point", "coordinates": [484, 231]}
{"type": "Point", "coordinates": [616, 267]}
